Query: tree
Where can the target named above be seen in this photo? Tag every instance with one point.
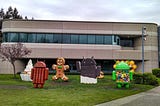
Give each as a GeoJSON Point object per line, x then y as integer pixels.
{"type": "Point", "coordinates": [26, 18]}
{"type": "Point", "coordinates": [16, 15]}
{"type": "Point", "coordinates": [13, 52]}
{"type": "Point", "coordinates": [1, 13]}
{"type": "Point", "coordinates": [12, 14]}
{"type": "Point", "coordinates": [9, 13]}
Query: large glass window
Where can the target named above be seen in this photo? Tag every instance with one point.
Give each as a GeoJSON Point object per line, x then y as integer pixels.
{"type": "Point", "coordinates": [74, 39]}
{"type": "Point", "coordinates": [13, 37]}
{"type": "Point", "coordinates": [57, 38]}
{"type": "Point", "coordinates": [32, 37]}
{"type": "Point", "coordinates": [5, 37]}
{"type": "Point", "coordinates": [127, 42]}
{"type": "Point", "coordinates": [108, 40]}
{"type": "Point", "coordinates": [83, 39]}
{"type": "Point", "coordinates": [40, 38]}
{"type": "Point", "coordinates": [49, 38]}
{"type": "Point", "coordinates": [66, 38]}
{"type": "Point", "coordinates": [91, 39]}
{"type": "Point", "coordinates": [23, 37]}
{"type": "Point", "coordinates": [99, 39]}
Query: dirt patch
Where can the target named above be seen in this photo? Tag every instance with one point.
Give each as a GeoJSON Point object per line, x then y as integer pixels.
{"type": "Point", "coordinates": [12, 87]}
{"type": "Point", "coordinates": [55, 83]}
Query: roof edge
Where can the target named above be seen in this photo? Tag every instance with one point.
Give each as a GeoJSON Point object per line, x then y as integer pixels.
{"type": "Point", "coordinates": [82, 21]}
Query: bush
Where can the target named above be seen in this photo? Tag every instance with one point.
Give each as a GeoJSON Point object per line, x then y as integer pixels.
{"type": "Point", "coordinates": [156, 72]}
{"type": "Point", "coordinates": [146, 78]}
{"type": "Point", "coordinates": [138, 78]}
{"type": "Point", "coordinates": [150, 79]}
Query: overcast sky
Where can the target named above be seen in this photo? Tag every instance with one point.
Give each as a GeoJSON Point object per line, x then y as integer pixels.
{"type": "Point", "coordinates": [88, 10]}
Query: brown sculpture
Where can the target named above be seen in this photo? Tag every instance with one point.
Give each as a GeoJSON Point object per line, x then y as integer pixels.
{"type": "Point", "coordinates": [39, 74]}
{"type": "Point", "coordinates": [60, 68]}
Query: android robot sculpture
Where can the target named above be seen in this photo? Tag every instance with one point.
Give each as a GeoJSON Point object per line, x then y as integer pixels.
{"type": "Point", "coordinates": [122, 74]}
{"type": "Point", "coordinates": [39, 74]}
{"type": "Point", "coordinates": [60, 67]}
{"type": "Point", "coordinates": [89, 71]}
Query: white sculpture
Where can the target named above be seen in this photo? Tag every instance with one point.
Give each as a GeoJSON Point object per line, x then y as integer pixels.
{"type": "Point", "coordinates": [25, 76]}
{"type": "Point", "coordinates": [29, 67]}
{"type": "Point", "coordinates": [88, 80]}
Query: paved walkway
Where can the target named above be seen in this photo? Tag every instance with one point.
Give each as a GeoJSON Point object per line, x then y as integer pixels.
{"type": "Point", "coordinates": [149, 98]}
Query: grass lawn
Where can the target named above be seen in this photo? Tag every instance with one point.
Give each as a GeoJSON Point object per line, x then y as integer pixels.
{"type": "Point", "coordinates": [14, 92]}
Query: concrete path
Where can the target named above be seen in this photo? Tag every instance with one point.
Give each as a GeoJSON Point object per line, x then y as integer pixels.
{"type": "Point", "coordinates": [149, 98]}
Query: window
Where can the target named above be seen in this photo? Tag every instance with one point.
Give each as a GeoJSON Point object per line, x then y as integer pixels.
{"type": "Point", "coordinates": [99, 39]}
{"type": "Point", "coordinates": [83, 39]}
{"type": "Point", "coordinates": [13, 37]}
{"type": "Point", "coordinates": [57, 38]}
{"type": "Point", "coordinates": [118, 41]}
{"type": "Point", "coordinates": [5, 37]}
{"type": "Point", "coordinates": [66, 39]}
{"type": "Point", "coordinates": [40, 38]}
{"type": "Point", "coordinates": [74, 39]}
{"type": "Point", "coordinates": [23, 37]}
{"type": "Point", "coordinates": [49, 38]}
{"type": "Point", "coordinates": [32, 38]}
{"type": "Point", "coordinates": [115, 40]}
{"type": "Point", "coordinates": [127, 42]}
{"type": "Point", "coordinates": [91, 39]}
{"type": "Point", "coordinates": [108, 40]}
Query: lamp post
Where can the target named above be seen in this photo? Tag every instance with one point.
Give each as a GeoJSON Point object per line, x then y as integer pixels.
{"type": "Point", "coordinates": [143, 38]}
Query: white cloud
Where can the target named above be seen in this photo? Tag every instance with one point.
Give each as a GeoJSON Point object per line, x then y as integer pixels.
{"type": "Point", "coordinates": [98, 10]}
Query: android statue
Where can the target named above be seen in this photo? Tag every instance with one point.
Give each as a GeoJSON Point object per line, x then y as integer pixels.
{"type": "Point", "coordinates": [39, 74]}
{"type": "Point", "coordinates": [122, 74]}
{"type": "Point", "coordinates": [60, 68]}
{"type": "Point", "coordinates": [89, 70]}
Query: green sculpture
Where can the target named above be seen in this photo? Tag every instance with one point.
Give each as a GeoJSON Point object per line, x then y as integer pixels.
{"type": "Point", "coordinates": [122, 74]}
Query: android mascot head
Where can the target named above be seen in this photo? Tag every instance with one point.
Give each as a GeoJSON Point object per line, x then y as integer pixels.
{"type": "Point", "coordinates": [122, 66]}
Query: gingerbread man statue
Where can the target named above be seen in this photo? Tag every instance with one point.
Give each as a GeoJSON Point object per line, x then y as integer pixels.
{"type": "Point", "coordinates": [60, 68]}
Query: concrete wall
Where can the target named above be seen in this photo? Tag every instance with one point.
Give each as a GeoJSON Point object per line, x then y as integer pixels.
{"type": "Point", "coordinates": [7, 68]}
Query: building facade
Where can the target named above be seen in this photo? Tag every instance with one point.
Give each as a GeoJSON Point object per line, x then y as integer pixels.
{"type": "Point", "coordinates": [73, 40]}
{"type": "Point", "coordinates": [159, 45]}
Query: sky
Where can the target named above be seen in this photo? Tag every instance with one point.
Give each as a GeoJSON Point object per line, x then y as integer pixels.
{"type": "Point", "coordinates": [88, 10]}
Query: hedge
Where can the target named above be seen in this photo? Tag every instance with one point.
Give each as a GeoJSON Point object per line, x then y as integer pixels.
{"type": "Point", "coordinates": [146, 78]}
{"type": "Point", "coordinates": [156, 72]}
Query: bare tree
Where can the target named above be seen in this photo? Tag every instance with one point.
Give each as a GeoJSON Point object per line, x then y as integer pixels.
{"type": "Point", "coordinates": [13, 52]}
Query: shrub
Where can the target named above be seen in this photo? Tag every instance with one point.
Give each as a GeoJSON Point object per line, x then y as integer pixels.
{"type": "Point", "coordinates": [138, 78]}
{"type": "Point", "coordinates": [150, 79]}
{"type": "Point", "coordinates": [146, 78]}
{"type": "Point", "coordinates": [156, 72]}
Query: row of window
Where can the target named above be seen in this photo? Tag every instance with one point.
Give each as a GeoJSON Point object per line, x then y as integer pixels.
{"type": "Point", "coordinates": [58, 38]}
{"type": "Point", "coordinates": [67, 39]}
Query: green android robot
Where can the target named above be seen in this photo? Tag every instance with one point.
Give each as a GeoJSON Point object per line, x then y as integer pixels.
{"type": "Point", "coordinates": [122, 74]}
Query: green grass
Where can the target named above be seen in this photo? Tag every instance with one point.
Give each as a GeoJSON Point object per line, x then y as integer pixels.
{"type": "Point", "coordinates": [14, 92]}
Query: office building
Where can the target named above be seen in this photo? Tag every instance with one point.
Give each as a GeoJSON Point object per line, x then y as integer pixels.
{"type": "Point", "coordinates": [73, 40]}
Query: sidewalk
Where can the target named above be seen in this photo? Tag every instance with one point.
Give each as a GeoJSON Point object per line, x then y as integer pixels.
{"type": "Point", "coordinates": [149, 98]}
